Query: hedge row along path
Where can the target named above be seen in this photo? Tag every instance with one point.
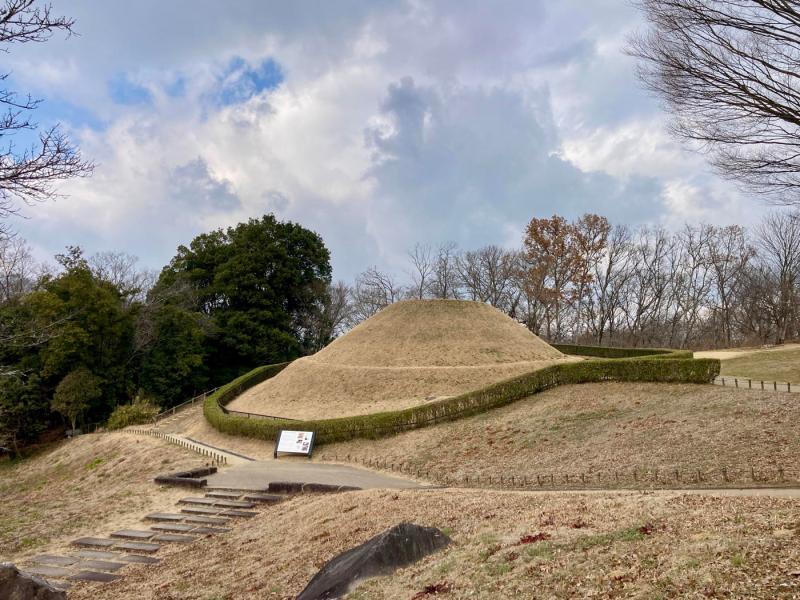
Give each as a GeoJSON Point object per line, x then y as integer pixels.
{"type": "Point", "coordinates": [639, 365]}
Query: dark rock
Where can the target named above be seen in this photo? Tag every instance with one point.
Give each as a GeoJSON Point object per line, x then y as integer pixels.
{"type": "Point", "coordinates": [393, 549]}
{"type": "Point", "coordinates": [19, 586]}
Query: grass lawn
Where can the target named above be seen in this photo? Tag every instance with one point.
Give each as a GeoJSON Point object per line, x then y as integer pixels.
{"type": "Point", "coordinates": [771, 365]}
{"type": "Point", "coordinates": [603, 427]}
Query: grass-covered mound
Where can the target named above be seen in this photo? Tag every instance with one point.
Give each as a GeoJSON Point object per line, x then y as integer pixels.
{"type": "Point", "coordinates": [410, 353]}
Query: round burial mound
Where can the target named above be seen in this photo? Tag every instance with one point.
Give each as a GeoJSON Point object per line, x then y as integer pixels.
{"type": "Point", "coordinates": [409, 353]}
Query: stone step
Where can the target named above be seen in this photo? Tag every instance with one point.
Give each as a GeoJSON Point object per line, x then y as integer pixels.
{"type": "Point", "coordinates": [138, 559]}
{"type": "Point", "coordinates": [210, 530]}
{"type": "Point", "coordinates": [200, 520]}
{"type": "Point", "coordinates": [133, 534]}
{"type": "Point", "coordinates": [56, 561]}
{"type": "Point", "coordinates": [175, 538]}
{"type": "Point", "coordinates": [100, 565]}
{"type": "Point", "coordinates": [44, 571]}
{"type": "Point", "coordinates": [138, 547]}
{"type": "Point", "coordinates": [217, 502]}
{"type": "Point", "coordinates": [97, 555]}
{"type": "Point", "coordinates": [93, 576]}
{"type": "Point", "coordinates": [199, 510]}
{"type": "Point", "coordinates": [223, 494]}
{"type": "Point", "coordinates": [92, 542]}
{"type": "Point", "coordinates": [172, 527]}
{"type": "Point", "coordinates": [244, 514]}
{"type": "Point", "coordinates": [264, 498]}
{"type": "Point", "coordinates": [164, 517]}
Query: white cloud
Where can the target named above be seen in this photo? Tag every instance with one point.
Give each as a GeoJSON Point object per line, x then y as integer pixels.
{"type": "Point", "coordinates": [396, 123]}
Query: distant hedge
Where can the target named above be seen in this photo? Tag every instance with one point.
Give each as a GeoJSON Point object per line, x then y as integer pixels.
{"type": "Point", "coordinates": [677, 370]}
{"type": "Point", "coordinates": [608, 352]}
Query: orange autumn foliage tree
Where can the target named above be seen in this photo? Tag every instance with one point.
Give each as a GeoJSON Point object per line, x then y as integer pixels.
{"type": "Point", "coordinates": [559, 259]}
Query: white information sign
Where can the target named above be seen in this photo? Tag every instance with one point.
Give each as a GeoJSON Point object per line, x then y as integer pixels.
{"type": "Point", "coordinates": [295, 442]}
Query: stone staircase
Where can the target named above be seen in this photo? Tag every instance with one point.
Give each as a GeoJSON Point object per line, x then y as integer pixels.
{"type": "Point", "coordinates": [104, 559]}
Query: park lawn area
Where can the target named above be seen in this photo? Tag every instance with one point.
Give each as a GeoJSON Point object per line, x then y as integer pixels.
{"type": "Point", "coordinates": [88, 486]}
{"type": "Point", "coordinates": [601, 427]}
{"type": "Point", "coordinates": [770, 365]}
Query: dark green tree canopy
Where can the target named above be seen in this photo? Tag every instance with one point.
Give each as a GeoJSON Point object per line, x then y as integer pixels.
{"type": "Point", "coordinates": [260, 281]}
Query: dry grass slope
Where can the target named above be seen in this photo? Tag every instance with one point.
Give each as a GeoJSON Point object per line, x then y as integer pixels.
{"type": "Point", "coordinates": [603, 427]}
{"type": "Point", "coordinates": [409, 353]}
{"type": "Point", "coordinates": [771, 365]}
{"type": "Point", "coordinates": [604, 545]}
{"type": "Point", "coordinates": [87, 486]}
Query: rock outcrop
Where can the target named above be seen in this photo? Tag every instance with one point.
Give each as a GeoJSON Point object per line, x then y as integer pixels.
{"type": "Point", "coordinates": [393, 549]}
{"type": "Point", "coordinates": [15, 585]}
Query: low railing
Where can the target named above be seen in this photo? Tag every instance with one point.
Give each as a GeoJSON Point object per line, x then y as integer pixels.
{"type": "Point", "coordinates": [756, 384]}
{"type": "Point", "coordinates": [249, 415]}
{"type": "Point", "coordinates": [171, 411]}
{"type": "Point", "coordinates": [216, 457]}
{"type": "Point", "coordinates": [623, 476]}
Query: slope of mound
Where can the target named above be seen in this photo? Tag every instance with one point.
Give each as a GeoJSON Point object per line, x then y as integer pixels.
{"type": "Point", "coordinates": [436, 333]}
{"type": "Point", "coordinates": [409, 353]}
{"type": "Point", "coordinates": [506, 545]}
{"type": "Point", "coordinates": [604, 427]}
{"type": "Point", "coordinates": [85, 486]}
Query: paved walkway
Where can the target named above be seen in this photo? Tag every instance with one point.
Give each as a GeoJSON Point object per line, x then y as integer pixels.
{"type": "Point", "coordinates": [257, 475]}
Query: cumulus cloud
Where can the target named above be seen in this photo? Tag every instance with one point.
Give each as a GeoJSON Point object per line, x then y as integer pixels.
{"type": "Point", "coordinates": [376, 124]}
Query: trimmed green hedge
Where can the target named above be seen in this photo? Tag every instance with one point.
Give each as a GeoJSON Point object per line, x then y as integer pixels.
{"type": "Point", "coordinates": [678, 370]}
{"type": "Point", "coordinates": [608, 352]}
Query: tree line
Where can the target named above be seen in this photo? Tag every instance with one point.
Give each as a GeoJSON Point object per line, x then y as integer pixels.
{"type": "Point", "coordinates": [89, 334]}
{"type": "Point", "coordinates": [588, 281]}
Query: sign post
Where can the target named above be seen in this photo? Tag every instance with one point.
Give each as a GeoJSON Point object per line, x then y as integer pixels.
{"type": "Point", "coordinates": [294, 442]}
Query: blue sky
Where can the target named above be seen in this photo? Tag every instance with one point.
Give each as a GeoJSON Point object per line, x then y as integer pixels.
{"type": "Point", "coordinates": [377, 124]}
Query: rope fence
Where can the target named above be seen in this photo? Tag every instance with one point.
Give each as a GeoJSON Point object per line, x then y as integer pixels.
{"type": "Point", "coordinates": [628, 478]}
{"type": "Point", "coordinates": [216, 457]}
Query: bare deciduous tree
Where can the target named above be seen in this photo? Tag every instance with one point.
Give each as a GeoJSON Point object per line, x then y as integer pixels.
{"type": "Point", "coordinates": [730, 256]}
{"type": "Point", "coordinates": [490, 275]}
{"type": "Point", "coordinates": [28, 174]}
{"type": "Point", "coordinates": [445, 282]}
{"type": "Point", "coordinates": [120, 270]}
{"type": "Point", "coordinates": [17, 268]}
{"type": "Point", "coordinates": [373, 290]}
{"type": "Point", "coordinates": [422, 268]}
{"type": "Point", "coordinates": [779, 245]}
{"type": "Point", "coordinates": [728, 72]}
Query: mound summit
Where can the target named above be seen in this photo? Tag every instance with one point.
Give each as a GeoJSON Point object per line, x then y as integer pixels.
{"type": "Point", "coordinates": [409, 353]}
